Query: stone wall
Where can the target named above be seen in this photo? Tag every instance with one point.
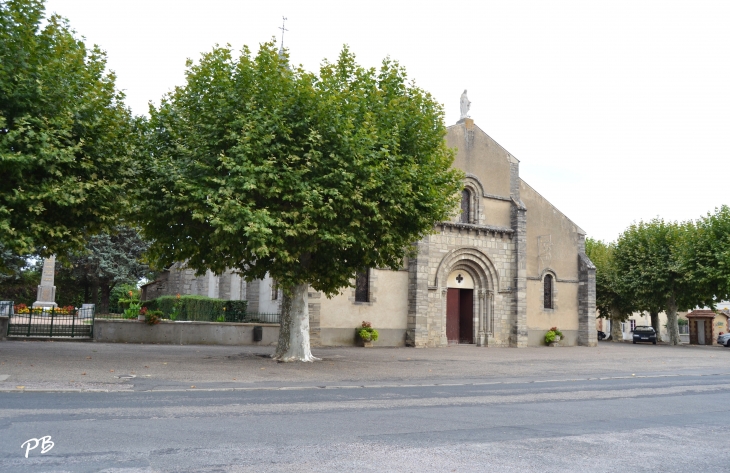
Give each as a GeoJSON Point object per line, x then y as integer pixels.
{"type": "Point", "coordinates": [182, 333]}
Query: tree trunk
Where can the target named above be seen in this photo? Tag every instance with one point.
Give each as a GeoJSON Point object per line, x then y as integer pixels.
{"type": "Point", "coordinates": [616, 334]}
{"type": "Point", "coordinates": [655, 323]}
{"type": "Point", "coordinates": [672, 325]}
{"type": "Point", "coordinates": [104, 304]}
{"type": "Point", "coordinates": [294, 326]}
{"type": "Point", "coordinates": [94, 292]}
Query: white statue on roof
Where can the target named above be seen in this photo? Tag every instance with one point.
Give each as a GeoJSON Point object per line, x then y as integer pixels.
{"type": "Point", "coordinates": [465, 104]}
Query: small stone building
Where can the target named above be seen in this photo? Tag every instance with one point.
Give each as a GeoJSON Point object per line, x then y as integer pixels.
{"type": "Point", "coordinates": [702, 327]}
{"type": "Point", "coordinates": [504, 270]}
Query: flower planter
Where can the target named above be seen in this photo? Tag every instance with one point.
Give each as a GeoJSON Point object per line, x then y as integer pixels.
{"type": "Point", "coordinates": [367, 344]}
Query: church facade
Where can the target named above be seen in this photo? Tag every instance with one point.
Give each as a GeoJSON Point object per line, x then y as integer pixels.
{"type": "Point", "coordinates": [507, 268]}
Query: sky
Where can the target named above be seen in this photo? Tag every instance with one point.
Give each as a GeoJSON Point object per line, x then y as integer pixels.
{"type": "Point", "coordinates": [619, 111]}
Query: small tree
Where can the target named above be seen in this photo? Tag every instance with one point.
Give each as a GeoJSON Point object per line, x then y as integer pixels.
{"type": "Point", "coordinates": [612, 300]}
{"type": "Point", "coordinates": [64, 135]}
{"type": "Point", "coordinates": [263, 167]}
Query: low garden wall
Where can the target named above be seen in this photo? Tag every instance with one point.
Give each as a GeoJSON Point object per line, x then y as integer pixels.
{"type": "Point", "coordinates": [183, 333]}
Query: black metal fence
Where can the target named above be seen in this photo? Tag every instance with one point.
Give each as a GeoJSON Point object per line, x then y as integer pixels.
{"type": "Point", "coordinates": [52, 322]}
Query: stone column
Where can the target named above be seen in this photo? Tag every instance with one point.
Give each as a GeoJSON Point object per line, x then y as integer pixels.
{"type": "Point", "coordinates": [587, 335]}
{"type": "Point", "coordinates": [481, 304]}
{"type": "Point", "coordinates": [418, 272]}
{"type": "Point", "coordinates": [47, 291]}
{"type": "Point", "coordinates": [443, 341]}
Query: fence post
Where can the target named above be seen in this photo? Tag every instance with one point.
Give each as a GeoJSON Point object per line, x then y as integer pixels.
{"type": "Point", "coordinates": [30, 319]}
{"type": "Point", "coordinates": [73, 322]}
{"type": "Point", "coordinates": [53, 313]}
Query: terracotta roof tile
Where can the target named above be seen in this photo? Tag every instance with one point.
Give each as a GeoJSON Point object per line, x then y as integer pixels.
{"type": "Point", "coordinates": [702, 313]}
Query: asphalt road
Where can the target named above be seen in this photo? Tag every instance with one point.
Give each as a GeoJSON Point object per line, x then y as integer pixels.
{"type": "Point", "coordinates": [657, 422]}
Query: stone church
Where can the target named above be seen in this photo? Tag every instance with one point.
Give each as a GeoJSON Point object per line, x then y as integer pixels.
{"type": "Point", "coordinates": [501, 273]}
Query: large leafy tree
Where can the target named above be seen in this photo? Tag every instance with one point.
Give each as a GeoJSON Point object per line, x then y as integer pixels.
{"type": "Point", "coordinates": [707, 256]}
{"type": "Point", "coordinates": [263, 167]}
{"type": "Point", "coordinates": [654, 262]}
{"type": "Point", "coordinates": [612, 300]}
{"type": "Point", "coordinates": [64, 135]}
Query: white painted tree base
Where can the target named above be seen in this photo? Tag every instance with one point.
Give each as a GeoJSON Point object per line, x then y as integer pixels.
{"type": "Point", "coordinates": [294, 331]}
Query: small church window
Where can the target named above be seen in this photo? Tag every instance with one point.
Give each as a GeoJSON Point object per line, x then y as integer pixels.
{"type": "Point", "coordinates": [465, 205]}
{"type": "Point", "coordinates": [362, 286]}
{"type": "Point", "coordinates": [548, 291]}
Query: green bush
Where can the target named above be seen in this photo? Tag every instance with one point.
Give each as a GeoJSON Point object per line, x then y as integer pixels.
{"type": "Point", "coordinates": [199, 308]}
{"type": "Point", "coordinates": [119, 297]}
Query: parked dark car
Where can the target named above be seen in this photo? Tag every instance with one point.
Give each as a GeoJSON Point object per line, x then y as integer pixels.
{"type": "Point", "coordinates": [601, 335]}
{"type": "Point", "coordinates": [644, 333]}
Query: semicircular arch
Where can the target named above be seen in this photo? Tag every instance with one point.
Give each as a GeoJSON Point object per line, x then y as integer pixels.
{"type": "Point", "coordinates": [472, 260]}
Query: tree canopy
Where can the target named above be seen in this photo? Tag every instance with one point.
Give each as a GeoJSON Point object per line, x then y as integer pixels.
{"type": "Point", "coordinates": [263, 167]}
{"type": "Point", "coordinates": [64, 135]}
{"type": "Point", "coordinates": [612, 300]}
{"type": "Point", "coordinates": [707, 253]}
{"type": "Point", "coordinates": [653, 261]}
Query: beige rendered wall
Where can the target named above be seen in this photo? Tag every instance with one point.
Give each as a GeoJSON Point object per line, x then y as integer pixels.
{"type": "Point", "coordinates": [387, 311]}
{"type": "Point", "coordinates": [564, 315]}
{"type": "Point", "coordinates": [483, 157]}
{"type": "Point", "coordinates": [544, 219]}
{"type": "Point", "coordinates": [497, 212]}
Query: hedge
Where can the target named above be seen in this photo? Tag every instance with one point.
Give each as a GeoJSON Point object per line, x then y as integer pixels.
{"type": "Point", "coordinates": [199, 308]}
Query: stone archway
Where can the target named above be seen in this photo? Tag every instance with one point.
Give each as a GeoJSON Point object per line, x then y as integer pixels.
{"type": "Point", "coordinates": [485, 281]}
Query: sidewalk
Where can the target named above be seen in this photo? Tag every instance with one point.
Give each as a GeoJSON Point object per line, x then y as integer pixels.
{"type": "Point", "coordinates": [46, 365]}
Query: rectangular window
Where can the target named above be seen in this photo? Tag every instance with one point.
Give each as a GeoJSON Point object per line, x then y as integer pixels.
{"type": "Point", "coordinates": [274, 290]}
{"type": "Point", "coordinates": [633, 324]}
{"type": "Point", "coordinates": [362, 286]}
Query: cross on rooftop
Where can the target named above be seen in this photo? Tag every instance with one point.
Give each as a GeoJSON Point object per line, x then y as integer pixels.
{"type": "Point", "coordinates": [283, 29]}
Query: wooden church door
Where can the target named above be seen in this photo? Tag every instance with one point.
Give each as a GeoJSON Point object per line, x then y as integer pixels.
{"type": "Point", "coordinates": [460, 315]}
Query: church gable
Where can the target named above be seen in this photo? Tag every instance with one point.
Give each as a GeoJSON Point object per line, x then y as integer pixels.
{"type": "Point", "coordinates": [482, 157]}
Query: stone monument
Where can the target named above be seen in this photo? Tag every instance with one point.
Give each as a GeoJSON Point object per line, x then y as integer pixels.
{"type": "Point", "coordinates": [47, 291]}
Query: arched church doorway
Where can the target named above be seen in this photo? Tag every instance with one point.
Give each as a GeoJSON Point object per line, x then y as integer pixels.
{"type": "Point", "coordinates": [460, 307]}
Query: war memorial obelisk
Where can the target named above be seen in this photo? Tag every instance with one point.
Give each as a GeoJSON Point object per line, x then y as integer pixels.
{"type": "Point", "coordinates": [47, 291]}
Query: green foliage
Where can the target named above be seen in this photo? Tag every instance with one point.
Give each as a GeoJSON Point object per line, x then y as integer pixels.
{"type": "Point", "coordinates": [120, 297]}
{"type": "Point", "coordinates": [367, 333]}
{"type": "Point", "coordinates": [612, 298]}
{"type": "Point", "coordinates": [650, 256]}
{"type": "Point", "coordinates": [263, 167]}
{"type": "Point", "coordinates": [552, 335]}
{"type": "Point", "coordinates": [707, 257]}
{"type": "Point", "coordinates": [65, 147]}
{"type": "Point", "coordinates": [109, 259]}
{"type": "Point", "coordinates": [133, 311]}
{"type": "Point", "coordinates": [20, 283]}
{"type": "Point", "coordinates": [199, 308]}
{"type": "Point", "coordinates": [153, 317]}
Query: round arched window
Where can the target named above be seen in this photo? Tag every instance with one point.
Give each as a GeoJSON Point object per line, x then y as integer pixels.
{"type": "Point", "coordinates": [465, 206]}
